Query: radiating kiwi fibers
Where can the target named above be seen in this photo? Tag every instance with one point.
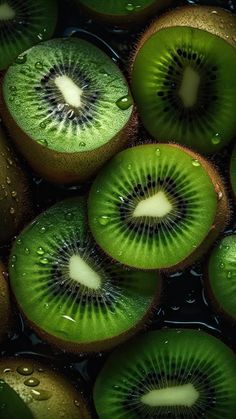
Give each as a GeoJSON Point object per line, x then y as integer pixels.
{"type": "Point", "coordinates": [221, 276]}
{"type": "Point", "coordinates": [24, 24]}
{"type": "Point", "coordinates": [15, 196]}
{"type": "Point", "coordinates": [183, 78]}
{"type": "Point", "coordinates": [168, 374]}
{"type": "Point", "coordinates": [71, 294]}
{"type": "Point", "coordinates": [68, 108]}
{"type": "Point", "coordinates": [33, 390]}
{"type": "Point", "coordinates": [233, 171]}
{"type": "Point", "coordinates": [157, 206]}
{"type": "Point", "coordinates": [5, 308]}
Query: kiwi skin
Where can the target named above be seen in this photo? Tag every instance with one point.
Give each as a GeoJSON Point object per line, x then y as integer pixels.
{"type": "Point", "coordinates": [66, 168]}
{"type": "Point", "coordinates": [15, 206]}
{"type": "Point", "coordinates": [5, 308]}
{"type": "Point", "coordinates": [105, 345]}
{"type": "Point", "coordinates": [64, 397]}
{"type": "Point", "coordinates": [215, 20]}
{"type": "Point", "coordinates": [131, 18]}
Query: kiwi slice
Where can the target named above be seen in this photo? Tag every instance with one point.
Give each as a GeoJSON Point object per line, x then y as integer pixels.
{"type": "Point", "coordinates": [168, 374]}
{"type": "Point", "coordinates": [75, 113]}
{"type": "Point", "coordinates": [35, 390]}
{"type": "Point", "coordinates": [233, 171]}
{"type": "Point", "coordinates": [221, 276]}
{"type": "Point", "coordinates": [123, 12]}
{"type": "Point", "coordinates": [70, 293]}
{"type": "Point", "coordinates": [24, 24]}
{"type": "Point", "coordinates": [157, 206]}
{"type": "Point", "coordinates": [5, 309]}
{"type": "Point", "coordinates": [15, 197]}
{"type": "Point", "coordinates": [183, 78]}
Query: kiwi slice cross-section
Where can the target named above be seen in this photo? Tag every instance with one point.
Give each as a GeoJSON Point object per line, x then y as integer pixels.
{"type": "Point", "coordinates": [24, 24]}
{"type": "Point", "coordinates": [233, 171]}
{"type": "Point", "coordinates": [157, 206]}
{"type": "Point", "coordinates": [183, 78]}
{"type": "Point", "coordinates": [5, 308]}
{"type": "Point", "coordinates": [68, 108]}
{"type": "Point", "coordinates": [179, 374]}
{"type": "Point", "coordinates": [221, 276]}
{"type": "Point", "coordinates": [70, 293]}
{"type": "Point", "coordinates": [15, 196]}
{"type": "Point", "coordinates": [32, 390]}
{"type": "Point", "coordinates": [123, 12]}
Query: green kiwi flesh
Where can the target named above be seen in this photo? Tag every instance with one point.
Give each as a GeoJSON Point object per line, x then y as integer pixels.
{"type": "Point", "coordinates": [152, 206]}
{"type": "Point", "coordinates": [233, 171]}
{"type": "Point", "coordinates": [221, 276]}
{"type": "Point", "coordinates": [168, 374]}
{"type": "Point", "coordinates": [75, 112]}
{"type": "Point", "coordinates": [29, 389]}
{"type": "Point", "coordinates": [70, 293]}
{"type": "Point", "coordinates": [24, 24]}
{"type": "Point", "coordinates": [15, 199]}
{"type": "Point", "coordinates": [5, 309]}
{"type": "Point", "coordinates": [184, 86]}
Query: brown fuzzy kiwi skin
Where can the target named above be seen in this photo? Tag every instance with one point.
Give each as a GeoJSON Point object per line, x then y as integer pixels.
{"type": "Point", "coordinates": [15, 202]}
{"type": "Point", "coordinates": [105, 345]}
{"type": "Point", "coordinates": [64, 397]}
{"type": "Point", "coordinates": [132, 18]}
{"type": "Point", "coordinates": [66, 168]}
{"type": "Point", "coordinates": [5, 304]}
{"type": "Point", "coordinates": [215, 20]}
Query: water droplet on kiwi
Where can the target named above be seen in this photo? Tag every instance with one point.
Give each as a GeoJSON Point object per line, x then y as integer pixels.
{"type": "Point", "coordinates": [124, 102]}
{"type": "Point", "coordinates": [42, 125]}
{"type": "Point", "coordinates": [39, 65]}
{"type": "Point", "coordinates": [214, 12]}
{"type": "Point", "coordinates": [27, 251]}
{"type": "Point", "coordinates": [14, 258]}
{"type": "Point", "coordinates": [129, 7]}
{"type": "Point", "coordinates": [43, 261]}
{"type": "Point", "coordinates": [129, 167]}
{"type": "Point", "coordinates": [77, 403]}
{"type": "Point", "coordinates": [196, 163]}
{"type": "Point", "coordinates": [229, 275]}
{"type": "Point", "coordinates": [222, 265]}
{"type": "Point", "coordinates": [25, 370]}
{"type": "Point", "coordinates": [43, 142]}
{"type": "Point", "coordinates": [158, 152]}
{"type": "Point", "coordinates": [19, 242]}
{"type": "Point", "coordinates": [82, 144]}
{"type": "Point", "coordinates": [42, 229]}
{"type": "Point", "coordinates": [216, 139]}
{"type": "Point", "coordinates": [40, 251]}
{"type": "Point", "coordinates": [14, 194]}
{"type": "Point", "coordinates": [13, 89]}
{"type": "Point", "coordinates": [220, 195]}
{"type": "Point", "coordinates": [12, 210]}
{"type": "Point", "coordinates": [32, 382]}
{"type": "Point", "coordinates": [69, 216]}
{"type": "Point", "coordinates": [8, 180]}
{"type": "Point", "coordinates": [104, 220]}
{"type": "Point", "coordinates": [10, 162]}
{"type": "Point", "coordinates": [41, 394]}
{"type": "Point", "coordinates": [7, 370]}
{"type": "Point", "coordinates": [11, 98]}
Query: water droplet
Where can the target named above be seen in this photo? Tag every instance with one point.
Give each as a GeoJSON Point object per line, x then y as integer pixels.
{"type": "Point", "coordinates": [19, 242]}
{"type": "Point", "coordinates": [129, 167]}
{"type": "Point", "coordinates": [124, 102]}
{"type": "Point", "coordinates": [229, 275]}
{"type": "Point", "coordinates": [13, 89]}
{"type": "Point", "coordinates": [82, 144]}
{"type": "Point", "coordinates": [222, 265]}
{"type": "Point", "coordinates": [158, 152]}
{"type": "Point", "coordinates": [25, 370]}
{"type": "Point", "coordinates": [12, 210]}
{"type": "Point", "coordinates": [8, 180]}
{"type": "Point", "coordinates": [69, 216]}
{"type": "Point", "coordinates": [129, 7]}
{"type": "Point", "coordinates": [40, 251]}
{"type": "Point", "coordinates": [27, 251]}
{"type": "Point", "coordinates": [220, 195]}
{"type": "Point", "coordinates": [21, 59]}
{"type": "Point", "coordinates": [42, 125]}
{"type": "Point", "coordinates": [41, 394]}
{"type": "Point", "coordinates": [14, 194]}
{"type": "Point", "coordinates": [39, 65]}
{"type": "Point", "coordinates": [32, 382]}
{"type": "Point", "coordinates": [42, 229]}
{"type": "Point", "coordinates": [216, 139]}
{"type": "Point", "coordinates": [10, 162]}
{"type": "Point", "coordinates": [43, 261]}
{"type": "Point", "coordinates": [195, 162]}
{"type": "Point", "coordinates": [13, 259]}
{"type": "Point", "coordinates": [104, 220]}
{"type": "Point", "coordinates": [7, 370]}
{"type": "Point", "coordinates": [43, 142]}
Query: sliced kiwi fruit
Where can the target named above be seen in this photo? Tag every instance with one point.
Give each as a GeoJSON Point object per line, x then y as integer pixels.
{"type": "Point", "coordinates": [168, 374]}
{"type": "Point", "coordinates": [15, 197]}
{"type": "Point", "coordinates": [233, 171]}
{"type": "Point", "coordinates": [157, 206]}
{"type": "Point", "coordinates": [183, 78]}
{"type": "Point", "coordinates": [71, 294]}
{"type": "Point", "coordinates": [123, 12]}
{"type": "Point", "coordinates": [33, 390]}
{"type": "Point", "coordinates": [221, 276]}
{"type": "Point", "coordinates": [5, 309]}
{"type": "Point", "coordinates": [24, 24]}
{"type": "Point", "coordinates": [75, 113]}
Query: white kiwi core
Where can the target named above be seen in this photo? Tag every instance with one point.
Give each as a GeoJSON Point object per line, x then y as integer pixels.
{"type": "Point", "coordinates": [6, 11]}
{"type": "Point", "coordinates": [82, 273]}
{"type": "Point", "coordinates": [157, 205]}
{"type": "Point", "coordinates": [71, 93]}
{"type": "Point", "coordinates": [183, 395]}
{"type": "Point", "coordinates": [188, 91]}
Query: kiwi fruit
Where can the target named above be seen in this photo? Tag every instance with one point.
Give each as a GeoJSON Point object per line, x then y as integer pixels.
{"type": "Point", "coordinates": [15, 196]}
{"type": "Point", "coordinates": [5, 309]}
{"type": "Point", "coordinates": [157, 207]}
{"type": "Point", "coordinates": [221, 276]}
{"type": "Point", "coordinates": [233, 171]}
{"type": "Point", "coordinates": [33, 390]}
{"type": "Point", "coordinates": [24, 24]}
{"type": "Point", "coordinates": [183, 78]}
{"type": "Point", "coordinates": [75, 113]}
{"type": "Point", "coordinates": [73, 296]}
{"type": "Point", "coordinates": [123, 12]}
{"type": "Point", "coordinates": [168, 374]}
